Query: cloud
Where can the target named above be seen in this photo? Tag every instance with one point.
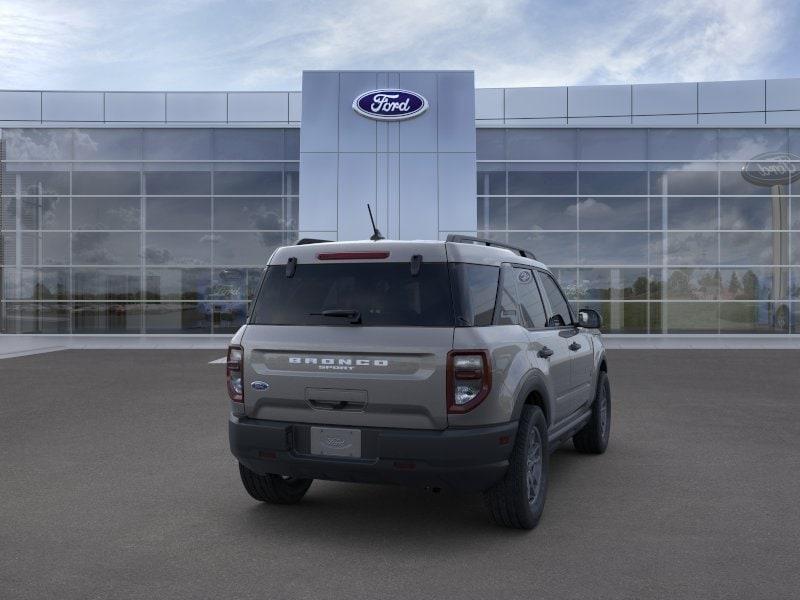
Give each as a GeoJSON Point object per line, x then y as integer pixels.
{"type": "Point", "coordinates": [209, 44]}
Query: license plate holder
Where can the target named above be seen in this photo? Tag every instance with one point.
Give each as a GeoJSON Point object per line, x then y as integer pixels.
{"type": "Point", "coordinates": [335, 441]}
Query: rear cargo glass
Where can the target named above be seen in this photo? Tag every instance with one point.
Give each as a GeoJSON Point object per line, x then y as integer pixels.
{"type": "Point", "coordinates": [384, 294]}
{"type": "Point", "coordinates": [475, 292]}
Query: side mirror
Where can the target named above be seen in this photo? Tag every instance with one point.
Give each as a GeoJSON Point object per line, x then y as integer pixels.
{"type": "Point", "coordinates": [590, 319]}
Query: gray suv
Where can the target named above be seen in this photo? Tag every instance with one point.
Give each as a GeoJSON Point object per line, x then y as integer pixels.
{"type": "Point", "coordinates": [456, 364]}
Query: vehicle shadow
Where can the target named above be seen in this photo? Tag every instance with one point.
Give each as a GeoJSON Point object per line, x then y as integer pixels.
{"type": "Point", "coordinates": [364, 514]}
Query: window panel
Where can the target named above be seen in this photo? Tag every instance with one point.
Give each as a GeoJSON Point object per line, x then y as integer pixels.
{"type": "Point", "coordinates": [177, 284]}
{"type": "Point", "coordinates": [541, 144]}
{"type": "Point", "coordinates": [248, 183]}
{"type": "Point", "coordinates": [542, 213]}
{"type": "Point", "coordinates": [106, 284]}
{"type": "Point", "coordinates": [99, 183]}
{"type": "Point", "coordinates": [228, 317]}
{"type": "Point", "coordinates": [568, 280]}
{"type": "Point", "coordinates": [249, 144]}
{"type": "Point", "coordinates": [732, 182]}
{"type": "Point", "coordinates": [108, 144]}
{"type": "Point", "coordinates": [613, 248]}
{"type": "Point", "coordinates": [751, 248]}
{"type": "Point", "coordinates": [184, 317]}
{"type": "Point", "coordinates": [228, 284]}
{"type": "Point", "coordinates": [690, 317]}
{"type": "Point", "coordinates": [613, 284]}
{"type": "Point", "coordinates": [8, 214]}
{"type": "Point", "coordinates": [106, 213]}
{"type": "Point", "coordinates": [550, 248]}
{"type": "Point", "coordinates": [753, 213]}
{"type": "Point", "coordinates": [491, 180]}
{"type": "Point", "coordinates": [540, 183]}
{"type": "Point", "coordinates": [610, 183]}
{"type": "Point", "coordinates": [753, 317]}
{"type": "Point", "coordinates": [683, 182]}
{"type": "Point", "coordinates": [490, 144]}
{"type": "Point", "coordinates": [45, 212]}
{"type": "Point", "coordinates": [491, 213]}
{"type": "Point", "coordinates": [621, 317]}
{"type": "Point", "coordinates": [745, 144]}
{"type": "Point", "coordinates": [245, 248]}
{"type": "Point", "coordinates": [249, 213]}
{"type": "Point", "coordinates": [104, 248]}
{"type": "Point", "coordinates": [612, 213]}
{"type": "Point", "coordinates": [177, 144]}
{"type": "Point", "coordinates": [692, 248]}
{"type": "Point", "coordinates": [32, 317]}
{"type": "Point", "coordinates": [692, 213]}
{"type": "Point", "coordinates": [178, 213]}
{"type": "Point", "coordinates": [36, 284]}
{"type": "Point", "coordinates": [682, 144]}
{"type": "Point", "coordinates": [291, 144]}
{"type": "Point", "coordinates": [38, 144]}
{"type": "Point", "coordinates": [754, 283]}
{"type": "Point", "coordinates": [102, 317]}
{"type": "Point", "coordinates": [177, 183]}
{"type": "Point", "coordinates": [612, 144]}
{"type": "Point", "coordinates": [44, 183]}
{"type": "Point", "coordinates": [693, 284]}
{"type": "Point", "coordinates": [178, 248]}
{"type": "Point", "coordinates": [49, 248]}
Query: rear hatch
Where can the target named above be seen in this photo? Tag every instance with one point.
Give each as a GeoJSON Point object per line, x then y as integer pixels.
{"type": "Point", "coordinates": [354, 334]}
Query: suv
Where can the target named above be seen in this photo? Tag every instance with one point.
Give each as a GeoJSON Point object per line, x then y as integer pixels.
{"type": "Point", "coordinates": [456, 364]}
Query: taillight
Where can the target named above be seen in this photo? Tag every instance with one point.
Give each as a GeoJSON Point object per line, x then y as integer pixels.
{"type": "Point", "coordinates": [469, 379]}
{"type": "Point", "coordinates": [235, 373]}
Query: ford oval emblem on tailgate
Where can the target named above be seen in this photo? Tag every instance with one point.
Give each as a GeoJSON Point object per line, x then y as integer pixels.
{"type": "Point", "coordinates": [259, 385]}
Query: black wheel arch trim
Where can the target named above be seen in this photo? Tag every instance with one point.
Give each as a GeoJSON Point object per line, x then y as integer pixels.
{"type": "Point", "coordinates": [534, 381]}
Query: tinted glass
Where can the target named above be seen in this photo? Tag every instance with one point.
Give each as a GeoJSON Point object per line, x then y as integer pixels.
{"type": "Point", "coordinates": [248, 183]}
{"type": "Point", "coordinates": [117, 183]}
{"type": "Point", "coordinates": [530, 301]}
{"type": "Point", "coordinates": [384, 294]}
{"type": "Point", "coordinates": [507, 306]}
{"type": "Point", "coordinates": [248, 213]}
{"type": "Point", "coordinates": [559, 307]}
{"type": "Point", "coordinates": [106, 213]}
{"type": "Point", "coordinates": [178, 213]}
{"type": "Point", "coordinates": [169, 183]}
{"type": "Point", "coordinates": [475, 291]}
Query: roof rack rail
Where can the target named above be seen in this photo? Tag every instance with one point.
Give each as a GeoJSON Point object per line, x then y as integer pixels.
{"type": "Point", "coordinates": [466, 239]}
{"type": "Point", "coordinates": [304, 241]}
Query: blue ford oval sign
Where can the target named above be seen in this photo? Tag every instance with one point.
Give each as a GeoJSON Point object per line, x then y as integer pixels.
{"type": "Point", "coordinates": [390, 105]}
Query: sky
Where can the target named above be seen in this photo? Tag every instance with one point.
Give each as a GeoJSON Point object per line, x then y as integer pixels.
{"type": "Point", "coordinates": [263, 45]}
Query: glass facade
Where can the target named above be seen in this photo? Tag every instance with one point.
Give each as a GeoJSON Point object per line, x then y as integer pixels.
{"type": "Point", "coordinates": [141, 230]}
{"type": "Point", "coordinates": [657, 229]}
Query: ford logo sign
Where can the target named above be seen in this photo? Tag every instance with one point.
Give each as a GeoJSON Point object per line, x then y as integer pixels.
{"type": "Point", "coordinates": [772, 168]}
{"type": "Point", "coordinates": [259, 385]}
{"type": "Point", "coordinates": [390, 105]}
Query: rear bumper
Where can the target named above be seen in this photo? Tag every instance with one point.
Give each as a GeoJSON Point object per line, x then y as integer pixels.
{"type": "Point", "coordinates": [461, 459]}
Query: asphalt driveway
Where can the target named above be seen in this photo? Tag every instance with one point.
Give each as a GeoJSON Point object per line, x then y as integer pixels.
{"type": "Point", "coordinates": [116, 482]}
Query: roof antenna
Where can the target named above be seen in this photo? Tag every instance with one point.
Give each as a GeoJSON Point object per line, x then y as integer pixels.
{"type": "Point", "coordinates": [376, 233]}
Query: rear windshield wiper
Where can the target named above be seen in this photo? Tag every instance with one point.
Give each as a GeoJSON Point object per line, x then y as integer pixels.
{"type": "Point", "coordinates": [344, 313]}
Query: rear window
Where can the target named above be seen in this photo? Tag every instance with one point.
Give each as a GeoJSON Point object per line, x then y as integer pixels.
{"type": "Point", "coordinates": [384, 294]}
{"type": "Point", "coordinates": [475, 291]}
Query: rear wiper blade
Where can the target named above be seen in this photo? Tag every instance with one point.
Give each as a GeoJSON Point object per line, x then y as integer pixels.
{"type": "Point", "coordinates": [345, 313]}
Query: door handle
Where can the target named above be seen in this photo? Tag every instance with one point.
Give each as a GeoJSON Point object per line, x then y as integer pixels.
{"type": "Point", "coordinates": [545, 352]}
{"type": "Point", "coordinates": [574, 346]}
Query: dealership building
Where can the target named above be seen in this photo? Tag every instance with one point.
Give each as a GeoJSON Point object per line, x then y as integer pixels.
{"type": "Point", "coordinates": [669, 208]}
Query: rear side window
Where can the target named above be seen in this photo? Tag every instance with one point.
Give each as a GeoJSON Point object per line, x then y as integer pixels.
{"type": "Point", "coordinates": [507, 313]}
{"type": "Point", "coordinates": [475, 291]}
{"type": "Point", "coordinates": [558, 304]}
{"type": "Point", "coordinates": [530, 301]}
{"type": "Point", "coordinates": [384, 294]}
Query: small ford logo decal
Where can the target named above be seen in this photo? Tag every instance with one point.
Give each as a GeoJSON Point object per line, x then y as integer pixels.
{"type": "Point", "coordinates": [772, 168]}
{"type": "Point", "coordinates": [259, 385]}
{"type": "Point", "coordinates": [390, 105]}
{"type": "Point", "coordinates": [336, 442]}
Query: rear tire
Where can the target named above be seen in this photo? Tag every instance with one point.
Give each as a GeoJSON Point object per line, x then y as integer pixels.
{"type": "Point", "coordinates": [593, 438]}
{"type": "Point", "coordinates": [518, 499]}
{"type": "Point", "coordinates": [274, 489]}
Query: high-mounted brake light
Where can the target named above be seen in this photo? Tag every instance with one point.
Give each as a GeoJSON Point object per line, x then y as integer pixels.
{"type": "Point", "coordinates": [235, 373]}
{"type": "Point", "coordinates": [469, 379]}
{"type": "Point", "coordinates": [352, 255]}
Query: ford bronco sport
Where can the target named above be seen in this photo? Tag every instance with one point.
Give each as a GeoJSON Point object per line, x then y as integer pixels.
{"type": "Point", "coordinates": [456, 364]}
